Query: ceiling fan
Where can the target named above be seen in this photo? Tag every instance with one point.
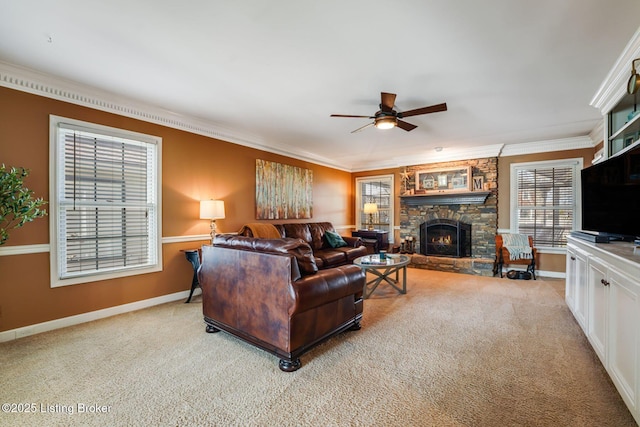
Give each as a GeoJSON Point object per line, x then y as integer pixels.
{"type": "Point", "coordinates": [387, 117]}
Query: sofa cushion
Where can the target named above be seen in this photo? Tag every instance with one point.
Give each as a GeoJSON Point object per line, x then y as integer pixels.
{"type": "Point", "coordinates": [298, 231]}
{"type": "Point", "coordinates": [331, 257]}
{"type": "Point", "coordinates": [317, 230]}
{"type": "Point", "coordinates": [334, 239]}
{"type": "Point", "coordinates": [296, 247]}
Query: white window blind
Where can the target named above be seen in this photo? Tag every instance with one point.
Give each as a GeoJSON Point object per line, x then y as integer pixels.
{"type": "Point", "coordinates": [107, 204]}
{"type": "Point", "coordinates": [545, 201]}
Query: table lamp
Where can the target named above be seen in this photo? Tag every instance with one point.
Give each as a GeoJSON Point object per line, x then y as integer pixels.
{"type": "Point", "coordinates": [212, 209]}
{"type": "Point", "coordinates": [370, 208]}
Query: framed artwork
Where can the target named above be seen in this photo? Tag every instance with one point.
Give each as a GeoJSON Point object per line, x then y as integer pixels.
{"type": "Point", "coordinates": [283, 191]}
{"type": "Point", "coordinates": [431, 181]}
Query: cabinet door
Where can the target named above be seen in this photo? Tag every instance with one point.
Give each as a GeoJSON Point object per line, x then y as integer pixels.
{"type": "Point", "coordinates": [598, 308]}
{"type": "Point", "coordinates": [624, 324]}
{"type": "Point", "coordinates": [581, 289]}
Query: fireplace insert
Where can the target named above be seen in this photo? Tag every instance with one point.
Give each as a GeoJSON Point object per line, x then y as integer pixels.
{"type": "Point", "coordinates": [445, 237]}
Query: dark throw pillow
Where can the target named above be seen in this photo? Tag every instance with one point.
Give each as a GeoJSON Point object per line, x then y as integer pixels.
{"type": "Point", "coordinates": [334, 239]}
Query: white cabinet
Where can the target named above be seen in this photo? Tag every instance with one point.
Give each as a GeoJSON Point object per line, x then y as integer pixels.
{"type": "Point", "coordinates": [603, 292]}
{"type": "Point", "coordinates": [623, 339]}
{"type": "Point", "coordinates": [598, 307]}
{"type": "Point", "coordinates": [576, 283]}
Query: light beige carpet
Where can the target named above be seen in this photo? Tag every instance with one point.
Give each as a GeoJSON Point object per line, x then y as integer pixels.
{"type": "Point", "coordinates": [456, 350]}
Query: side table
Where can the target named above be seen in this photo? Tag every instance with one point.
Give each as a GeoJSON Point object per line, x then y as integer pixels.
{"type": "Point", "coordinates": [193, 256]}
{"type": "Point", "coordinates": [375, 240]}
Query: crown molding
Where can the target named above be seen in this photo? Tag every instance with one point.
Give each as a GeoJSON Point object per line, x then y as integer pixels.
{"type": "Point", "coordinates": [533, 147]}
{"type": "Point", "coordinates": [37, 83]}
{"type": "Point", "coordinates": [614, 86]}
{"type": "Point", "coordinates": [597, 134]}
{"type": "Point", "coordinates": [27, 80]}
{"type": "Point", "coordinates": [445, 155]}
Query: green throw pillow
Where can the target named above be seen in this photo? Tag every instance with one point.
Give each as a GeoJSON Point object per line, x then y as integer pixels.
{"type": "Point", "coordinates": [334, 239]}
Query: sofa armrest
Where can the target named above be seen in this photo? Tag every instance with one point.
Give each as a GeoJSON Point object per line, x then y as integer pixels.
{"type": "Point", "coordinates": [326, 286]}
{"type": "Point", "coordinates": [353, 242]}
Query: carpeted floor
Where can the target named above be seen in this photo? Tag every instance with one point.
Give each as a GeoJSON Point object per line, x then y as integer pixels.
{"type": "Point", "coordinates": [456, 350]}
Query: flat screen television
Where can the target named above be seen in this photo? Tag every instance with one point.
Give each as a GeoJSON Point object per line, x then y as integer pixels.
{"type": "Point", "coordinates": [611, 196]}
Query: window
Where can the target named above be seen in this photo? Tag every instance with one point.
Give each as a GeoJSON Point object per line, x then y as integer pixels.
{"type": "Point", "coordinates": [378, 190]}
{"type": "Point", "coordinates": [544, 197]}
{"type": "Point", "coordinates": [105, 202]}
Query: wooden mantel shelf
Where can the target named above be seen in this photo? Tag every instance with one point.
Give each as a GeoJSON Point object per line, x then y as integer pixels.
{"type": "Point", "coordinates": [465, 198]}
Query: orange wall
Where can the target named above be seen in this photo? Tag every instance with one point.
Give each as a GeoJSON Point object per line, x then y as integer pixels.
{"type": "Point", "coordinates": [194, 167]}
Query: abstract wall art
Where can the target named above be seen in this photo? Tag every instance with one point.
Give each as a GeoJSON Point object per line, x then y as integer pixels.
{"type": "Point", "coordinates": [283, 191]}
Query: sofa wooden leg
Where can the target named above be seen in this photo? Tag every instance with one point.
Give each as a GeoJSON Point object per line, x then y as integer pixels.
{"type": "Point", "coordinates": [211, 329]}
{"type": "Point", "coordinates": [355, 327]}
{"type": "Point", "coordinates": [289, 365]}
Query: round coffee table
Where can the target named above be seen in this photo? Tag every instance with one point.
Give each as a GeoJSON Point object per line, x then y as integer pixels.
{"type": "Point", "coordinates": [383, 269]}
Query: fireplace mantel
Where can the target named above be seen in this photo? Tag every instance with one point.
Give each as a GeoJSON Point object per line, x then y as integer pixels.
{"type": "Point", "coordinates": [466, 198]}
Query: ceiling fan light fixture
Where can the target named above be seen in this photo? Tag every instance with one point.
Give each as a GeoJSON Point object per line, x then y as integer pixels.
{"type": "Point", "coordinates": [386, 122]}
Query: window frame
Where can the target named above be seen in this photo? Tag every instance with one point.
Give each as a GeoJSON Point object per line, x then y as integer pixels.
{"type": "Point", "coordinates": [360, 202]}
{"type": "Point", "coordinates": [576, 164]}
{"type": "Point", "coordinates": [56, 193]}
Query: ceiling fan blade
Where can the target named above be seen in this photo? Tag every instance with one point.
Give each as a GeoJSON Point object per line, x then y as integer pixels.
{"type": "Point", "coordinates": [387, 101]}
{"type": "Point", "coordinates": [349, 116]}
{"type": "Point", "coordinates": [406, 126]}
{"type": "Point", "coordinates": [425, 110]}
{"type": "Point", "coordinates": [363, 127]}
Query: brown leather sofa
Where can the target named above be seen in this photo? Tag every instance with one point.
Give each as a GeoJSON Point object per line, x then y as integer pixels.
{"type": "Point", "coordinates": [314, 234]}
{"type": "Point", "coordinates": [271, 294]}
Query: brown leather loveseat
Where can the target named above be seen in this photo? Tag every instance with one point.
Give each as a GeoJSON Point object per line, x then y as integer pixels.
{"type": "Point", "coordinates": [270, 293]}
{"type": "Point", "coordinates": [315, 234]}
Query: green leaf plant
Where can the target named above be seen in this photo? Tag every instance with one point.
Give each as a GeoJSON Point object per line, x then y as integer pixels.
{"type": "Point", "coordinates": [17, 204]}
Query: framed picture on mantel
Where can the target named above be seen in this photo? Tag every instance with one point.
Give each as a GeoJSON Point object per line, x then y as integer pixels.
{"type": "Point", "coordinates": [452, 179]}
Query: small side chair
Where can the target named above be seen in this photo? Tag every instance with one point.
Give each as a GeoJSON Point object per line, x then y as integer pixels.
{"type": "Point", "coordinates": [503, 258]}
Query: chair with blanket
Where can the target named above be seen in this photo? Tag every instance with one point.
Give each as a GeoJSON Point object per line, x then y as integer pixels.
{"type": "Point", "coordinates": [515, 249]}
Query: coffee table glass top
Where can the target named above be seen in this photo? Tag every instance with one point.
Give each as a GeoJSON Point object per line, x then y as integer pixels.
{"type": "Point", "coordinates": [374, 261]}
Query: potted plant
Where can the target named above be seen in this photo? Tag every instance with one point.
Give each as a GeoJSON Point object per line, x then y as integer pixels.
{"type": "Point", "coordinates": [17, 204]}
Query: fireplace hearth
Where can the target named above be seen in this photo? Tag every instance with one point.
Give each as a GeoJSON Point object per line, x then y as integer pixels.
{"type": "Point", "coordinates": [446, 238]}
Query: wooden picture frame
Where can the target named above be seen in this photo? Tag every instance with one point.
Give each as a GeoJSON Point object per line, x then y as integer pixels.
{"type": "Point", "coordinates": [451, 179]}
{"type": "Point", "coordinates": [478, 183]}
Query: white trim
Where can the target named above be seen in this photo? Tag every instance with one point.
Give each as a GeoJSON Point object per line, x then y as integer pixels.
{"type": "Point", "coordinates": [539, 273]}
{"type": "Point", "coordinates": [446, 155]}
{"type": "Point", "coordinates": [359, 203]}
{"type": "Point", "coordinates": [344, 227]}
{"type": "Point", "coordinates": [614, 86]}
{"type": "Point", "coordinates": [574, 143]}
{"type": "Point", "coordinates": [45, 247]}
{"type": "Point", "coordinates": [578, 162]}
{"type": "Point", "coordinates": [24, 249]}
{"type": "Point", "coordinates": [51, 325]}
{"type": "Point", "coordinates": [56, 183]}
{"type": "Point", "coordinates": [182, 239]}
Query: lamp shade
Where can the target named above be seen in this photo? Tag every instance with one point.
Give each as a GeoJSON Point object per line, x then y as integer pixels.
{"type": "Point", "coordinates": [211, 209]}
{"type": "Point", "coordinates": [370, 208]}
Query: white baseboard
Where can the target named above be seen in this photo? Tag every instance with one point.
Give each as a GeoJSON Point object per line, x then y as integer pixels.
{"type": "Point", "coordinates": [26, 331]}
{"type": "Point", "coordinates": [539, 273]}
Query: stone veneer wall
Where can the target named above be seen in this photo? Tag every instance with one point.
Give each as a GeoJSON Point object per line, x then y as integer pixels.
{"type": "Point", "coordinates": [483, 219]}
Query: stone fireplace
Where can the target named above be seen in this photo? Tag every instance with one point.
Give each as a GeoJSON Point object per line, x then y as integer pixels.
{"type": "Point", "coordinates": [476, 209]}
{"type": "Point", "coordinates": [446, 238]}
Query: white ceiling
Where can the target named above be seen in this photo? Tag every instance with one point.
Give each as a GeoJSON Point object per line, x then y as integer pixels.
{"type": "Point", "coordinates": [510, 71]}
